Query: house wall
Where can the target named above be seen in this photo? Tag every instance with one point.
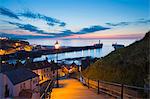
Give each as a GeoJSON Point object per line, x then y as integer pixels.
{"type": "Point", "coordinates": [1, 86]}
{"type": "Point", "coordinates": [35, 82]}
{"type": "Point", "coordinates": [38, 71]}
{"type": "Point", "coordinates": [60, 73]}
{"type": "Point", "coordinates": [28, 84]}
{"type": "Point", "coordinates": [44, 73]}
{"type": "Point", "coordinates": [3, 82]}
{"type": "Point", "coordinates": [47, 73]}
{"type": "Point", "coordinates": [15, 89]}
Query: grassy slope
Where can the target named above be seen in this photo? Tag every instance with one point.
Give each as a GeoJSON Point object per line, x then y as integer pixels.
{"type": "Point", "coordinates": [129, 65]}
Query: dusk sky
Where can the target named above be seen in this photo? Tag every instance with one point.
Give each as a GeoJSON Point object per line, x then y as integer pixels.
{"type": "Point", "coordinates": [74, 18]}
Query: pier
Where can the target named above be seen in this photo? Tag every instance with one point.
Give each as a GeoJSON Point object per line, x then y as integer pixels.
{"type": "Point", "coordinates": [39, 53]}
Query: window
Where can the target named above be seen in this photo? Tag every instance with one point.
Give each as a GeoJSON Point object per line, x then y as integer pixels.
{"type": "Point", "coordinates": [24, 85]}
{"type": "Point", "coordinates": [6, 91]}
{"type": "Point", "coordinates": [20, 86]}
{"type": "Point", "coordinates": [53, 71]}
{"type": "Point", "coordinates": [34, 81]}
{"type": "Point", "coordinates": [42, 77]}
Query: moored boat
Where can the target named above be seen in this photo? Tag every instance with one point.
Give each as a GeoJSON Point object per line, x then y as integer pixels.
{"type": "Point", "coordinates": [117, 46]}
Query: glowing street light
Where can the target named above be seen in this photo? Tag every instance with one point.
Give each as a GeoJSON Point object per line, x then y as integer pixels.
{"type": "Point", "coordinates": [57, 46]}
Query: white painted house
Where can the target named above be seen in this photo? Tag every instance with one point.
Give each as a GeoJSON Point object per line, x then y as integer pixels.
{"type": "Point", "coordinates": [19, 83]}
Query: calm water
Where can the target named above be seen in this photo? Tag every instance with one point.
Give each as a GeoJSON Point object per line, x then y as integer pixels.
{"type": "Point", "coordinates": [107, 47]}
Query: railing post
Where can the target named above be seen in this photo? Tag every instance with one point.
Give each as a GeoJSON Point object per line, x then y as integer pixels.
{"type": "Point", "coordinates": [45, 95]}
{"type": "Point", "coordinates": [88, 84]}
{"type": "Point", "coordinates": [98, 87]}
{"type": "Point", "coordinates": [122, 91]}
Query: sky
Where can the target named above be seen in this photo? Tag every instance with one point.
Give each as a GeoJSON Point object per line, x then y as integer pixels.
{"type": "Point", "coordinates": [69, 19]}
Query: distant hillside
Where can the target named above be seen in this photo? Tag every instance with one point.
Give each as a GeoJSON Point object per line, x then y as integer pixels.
{"type": "Point", "coordinates": [129, 65]}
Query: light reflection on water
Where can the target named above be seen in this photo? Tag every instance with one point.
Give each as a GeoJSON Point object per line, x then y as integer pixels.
{"type": "Point", "coordinates": [93, 53]}
{"type": "Point", "coordinates": [107, 47]}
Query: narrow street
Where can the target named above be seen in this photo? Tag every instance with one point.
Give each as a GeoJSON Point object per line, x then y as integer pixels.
{"type": "Point", "coordinates": [73, 89]}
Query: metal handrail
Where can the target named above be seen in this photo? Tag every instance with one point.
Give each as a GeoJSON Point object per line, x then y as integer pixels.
{"type": "Point", "coordinates": [46, 90]}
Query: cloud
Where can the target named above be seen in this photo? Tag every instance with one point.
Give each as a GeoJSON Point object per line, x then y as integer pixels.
{"type": "Point", "coordinates": [28, 14]}
{"type": "Point", "coordinates": [50, 21]}
{"type": "Point", "coordinates": [3, 34]}
{"type": "Point", "coordinates": [139, 21]}
{"type": "Point", "coordinates": [7, 12]}
{"type": "Point", "coordinates": [118, 24]}
{"type": "Point", "coordinates": [82, 31]}
{"type": "Point", "coordinates": [23, 25]}
{"type": "Point", "coordinates": [30, 28]}
{"type": "Point", "coordinates": [62, 24]}
{"type": "Point", "coordinates": [36, 30]}
{"type": "Point", "coordinates": [144, 21]}
{"type": "Point", "coordinates": [63, 33]}
{"type": "Point", "coordinates": [92, 29]}
{"type": "Point", "coordinates": [50, 24]}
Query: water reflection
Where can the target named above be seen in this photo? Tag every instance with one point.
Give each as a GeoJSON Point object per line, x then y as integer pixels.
{"type": "Point", "coordinates": [107, 48]}
{"type": "Point", "coordinates": [61, 56]}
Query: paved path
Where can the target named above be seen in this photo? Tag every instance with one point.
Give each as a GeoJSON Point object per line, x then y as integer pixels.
{"type": "Point", "coordinates": [73, 89]}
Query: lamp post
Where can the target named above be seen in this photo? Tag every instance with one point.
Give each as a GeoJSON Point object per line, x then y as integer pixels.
{"type": "Point", "coordinates": [57, 48]}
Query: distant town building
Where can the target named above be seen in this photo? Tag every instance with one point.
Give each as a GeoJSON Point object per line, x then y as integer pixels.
{"type": "Point", "coordinates": [65, 69]}
{"type": "Point", "coordinates": [3, 38]}
{"type": "Point", "coordinates": [69, 68]}
{"type": "Point", "coordinates": [9, 46]}
{"type": "Point", "coordinates": [73, 68]}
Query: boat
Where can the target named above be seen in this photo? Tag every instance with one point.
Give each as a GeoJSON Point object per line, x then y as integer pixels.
{"type": "Point", "coordinates": [99, 45]}
{"type": "Point", "coordinates": [117, 46]}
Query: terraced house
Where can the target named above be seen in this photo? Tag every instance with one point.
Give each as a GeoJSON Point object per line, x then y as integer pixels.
{"type": "Point", "coordinates": [19, 83]}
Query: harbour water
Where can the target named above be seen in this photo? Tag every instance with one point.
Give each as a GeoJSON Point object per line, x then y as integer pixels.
{"type": "Point", "coordinates": [107, 47]}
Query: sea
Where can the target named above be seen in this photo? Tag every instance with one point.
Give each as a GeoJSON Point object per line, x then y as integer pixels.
{"type": "Point", "coordinates": [101, 52]}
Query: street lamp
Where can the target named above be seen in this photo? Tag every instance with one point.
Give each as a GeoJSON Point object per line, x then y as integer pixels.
{"type": "Point", "coordinates": [57, 48]}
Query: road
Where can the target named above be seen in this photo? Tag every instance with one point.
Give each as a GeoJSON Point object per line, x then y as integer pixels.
{"type": "Point", "coordinates": [73, 89]}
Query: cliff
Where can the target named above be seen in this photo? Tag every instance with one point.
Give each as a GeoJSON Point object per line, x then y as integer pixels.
{"type": "Point", "coordinates": [129, 65]}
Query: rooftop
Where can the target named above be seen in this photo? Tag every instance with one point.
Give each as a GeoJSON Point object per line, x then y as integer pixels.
{"type": "Point", "coordinates": [6, 67]}
{"type": "Point", "coordinates": [38, 65]}
{"type": "Point", "coordinates": [20, 75]}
